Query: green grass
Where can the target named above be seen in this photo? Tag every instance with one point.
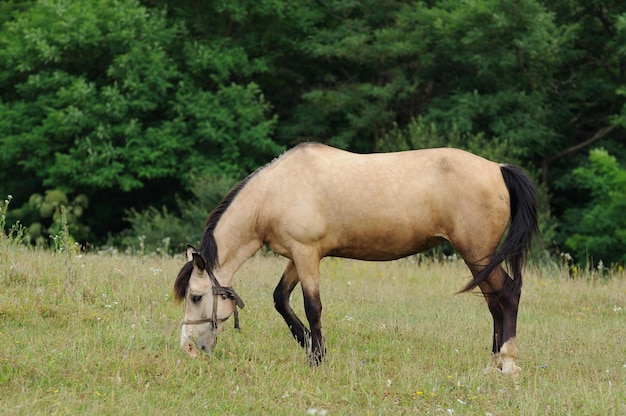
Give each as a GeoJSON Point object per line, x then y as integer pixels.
{"type": "Point", "coordinates": [98, 334]}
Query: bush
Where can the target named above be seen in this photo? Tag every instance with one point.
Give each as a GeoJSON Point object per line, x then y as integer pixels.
{"type": "Point", "coordinates": [165, 232]}
{"type": "Point", "coordinates": [43, 217]}
{"type": "Point", "coordinates": [597, 231]}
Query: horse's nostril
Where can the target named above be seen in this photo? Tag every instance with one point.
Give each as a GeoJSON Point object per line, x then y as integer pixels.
{"type": "Point", "coordinates": [190, 349]}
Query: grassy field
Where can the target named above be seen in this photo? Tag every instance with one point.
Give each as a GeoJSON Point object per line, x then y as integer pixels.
{"type": "Point", "coordinates": [98, 334]}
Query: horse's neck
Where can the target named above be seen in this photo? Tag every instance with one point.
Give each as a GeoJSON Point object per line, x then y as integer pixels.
{"type": "Point", "coordinates": [236, 239]}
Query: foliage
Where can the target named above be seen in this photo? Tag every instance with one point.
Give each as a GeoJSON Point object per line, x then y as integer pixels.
{"type": "Point", "coordinates": [169, 233]}
{"type": "Point", "coordinates": [595, 230]}
{"type": "Point", "coordinates": [122, 100]}
{"type": "Point", "coordinates": [10, 232]}
{"type": "Point", "coordinates": [126, 101]}
{"type": "Point", "coordinates": [47, 213]}
{"type": "Point", "coordinates": [419, 134]}
{"type": "Point", "coordinates": [482, 67]}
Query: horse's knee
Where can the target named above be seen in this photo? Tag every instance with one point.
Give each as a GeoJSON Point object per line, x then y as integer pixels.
{"type": "Point", "coordinates": [281, 295]}
{"type": "Point", "coordinates": [279, 298]}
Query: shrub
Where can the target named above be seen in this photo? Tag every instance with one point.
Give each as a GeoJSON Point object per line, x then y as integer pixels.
{"type": "Point", "coordinates": [166, 232]}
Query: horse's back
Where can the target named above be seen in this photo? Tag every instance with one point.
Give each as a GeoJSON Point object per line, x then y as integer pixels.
{"type": "Point", "coordinates": [384, 205]}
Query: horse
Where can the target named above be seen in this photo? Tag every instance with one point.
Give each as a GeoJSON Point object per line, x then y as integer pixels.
{"type": "Point", "coordinates": [315, 201]}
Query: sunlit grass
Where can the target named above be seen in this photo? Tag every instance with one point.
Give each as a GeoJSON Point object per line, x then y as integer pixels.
{"type": "Point", "coordinates": [399, 340]}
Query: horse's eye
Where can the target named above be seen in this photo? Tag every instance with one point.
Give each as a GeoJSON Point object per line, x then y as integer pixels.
{"type": "Point", "coordinates": [196, 298]}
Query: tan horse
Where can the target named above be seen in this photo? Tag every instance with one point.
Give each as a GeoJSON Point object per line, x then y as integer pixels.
{"type": "Point", "coordinates": [316, 201]}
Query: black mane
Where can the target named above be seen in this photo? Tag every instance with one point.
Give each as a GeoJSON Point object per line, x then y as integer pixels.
{"type": "Point", "coordinates": [208, 246]}
{"type": "Point", "coordinates": [182, 281]}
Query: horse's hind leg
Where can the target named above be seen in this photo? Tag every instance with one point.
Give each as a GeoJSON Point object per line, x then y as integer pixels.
{"type": "Point", "coordinates": [503, 297]}
{"type": "Point", "coordinates": [283, 290]}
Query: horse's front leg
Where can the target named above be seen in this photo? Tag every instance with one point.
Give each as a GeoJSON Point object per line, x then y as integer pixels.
{"type": "Point", "coordinates": [283, 290]}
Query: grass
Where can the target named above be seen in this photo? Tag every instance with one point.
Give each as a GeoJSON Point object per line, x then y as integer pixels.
{"type": "Point", "coordinates": [98, 334]}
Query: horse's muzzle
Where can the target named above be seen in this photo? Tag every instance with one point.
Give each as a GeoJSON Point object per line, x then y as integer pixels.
{"type": "Point", "coordinates": [195, 348]}
{"type": "Point", "coordinates": [190, 348]}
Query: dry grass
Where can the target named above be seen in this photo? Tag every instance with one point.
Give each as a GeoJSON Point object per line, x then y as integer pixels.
{"type": "Point", "coordinates": [98, 334]}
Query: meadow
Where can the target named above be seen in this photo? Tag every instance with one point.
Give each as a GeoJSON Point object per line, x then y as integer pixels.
{"type": "Point", "coordinates": [99, 334]}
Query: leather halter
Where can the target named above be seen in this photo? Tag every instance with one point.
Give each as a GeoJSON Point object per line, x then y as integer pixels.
{"type": "Point", "coordinates": [225, 292]}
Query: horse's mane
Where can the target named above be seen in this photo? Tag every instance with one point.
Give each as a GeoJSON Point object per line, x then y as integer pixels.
{"type": "Point", "coordinates": [208, 245]}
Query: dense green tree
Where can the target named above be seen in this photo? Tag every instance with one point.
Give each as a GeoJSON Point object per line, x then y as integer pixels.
{"type": "Point", "coordinates": [598, 229]}
{"type": "Point", "coordinates": [110, 97]}
{"type": "Point", "coordinates": [126, 102]}
{"type": "Point", "coordinates": [478, 67]}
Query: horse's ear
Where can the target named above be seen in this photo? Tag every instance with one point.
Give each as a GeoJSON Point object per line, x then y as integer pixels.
{"type": "Point", "coordinates": [190, 251]}
{"type": "Point", "coordinates": [197, 261]}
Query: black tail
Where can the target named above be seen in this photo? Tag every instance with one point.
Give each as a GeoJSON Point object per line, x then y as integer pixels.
{"type": "Point", "coordinates": [522, 230]}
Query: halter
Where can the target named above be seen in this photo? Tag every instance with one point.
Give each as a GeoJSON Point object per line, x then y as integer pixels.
{"type": "Point", "coordinates": [226, 293]}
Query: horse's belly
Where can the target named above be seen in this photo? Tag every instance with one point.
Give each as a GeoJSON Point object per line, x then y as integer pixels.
{"type": "Point", "coordinates": [382, 247]}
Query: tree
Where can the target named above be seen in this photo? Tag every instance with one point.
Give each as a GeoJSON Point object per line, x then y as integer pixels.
{"type": "Point", "coordinates": [111, 97]}
{"type": "Point", "coordinates": [597, 231]}
{"type": "Point", "coordinates": [482, 67]}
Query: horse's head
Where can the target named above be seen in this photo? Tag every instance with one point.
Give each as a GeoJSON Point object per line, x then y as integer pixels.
{"type": "Point", "coordinates": [207, 305]}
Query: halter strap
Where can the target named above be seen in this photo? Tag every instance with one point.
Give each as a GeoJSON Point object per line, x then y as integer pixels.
{"type": "Point", "coordinates": [225, 292]}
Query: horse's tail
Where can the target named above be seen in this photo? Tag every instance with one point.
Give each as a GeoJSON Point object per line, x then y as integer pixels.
{"type": "Point", "coordinates": [522, 230]}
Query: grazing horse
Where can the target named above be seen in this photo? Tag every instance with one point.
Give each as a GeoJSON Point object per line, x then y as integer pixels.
{"type": "Point", "coordinates": [316, 201]}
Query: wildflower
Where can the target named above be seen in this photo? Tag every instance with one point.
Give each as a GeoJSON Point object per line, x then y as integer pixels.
{"type": "Point", "coordinates": [419, 393]}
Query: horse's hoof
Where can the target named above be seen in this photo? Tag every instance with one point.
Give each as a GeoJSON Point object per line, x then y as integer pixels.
{"type": "Point", "coordinates": [512, 371]}
{"type": "Point", "coordinates": [315, 359]}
